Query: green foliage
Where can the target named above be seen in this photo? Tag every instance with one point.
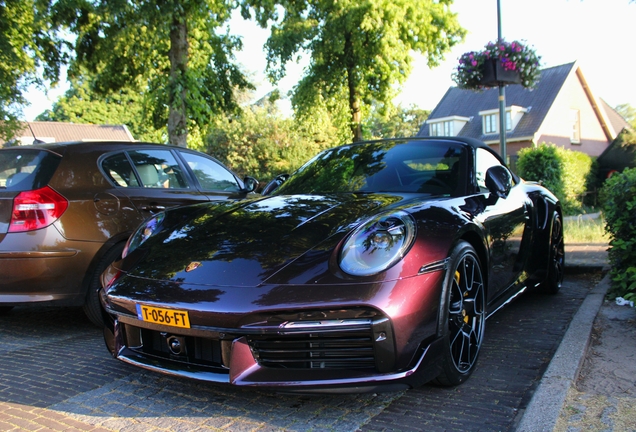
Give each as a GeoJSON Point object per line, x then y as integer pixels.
{"type": "Point", "coordinates": [628, 112]}
{"type": "Point", "coordinates": [542, 164]}
{"type": "Point", "coordinates": [583, 229]}
{"type": "Point", "coordinates": [618, 198]}
{"type": "Point", "coordinates": [30, 52]}
{"type": "Point", "coordinates": [577, 169]}
{"type": "Point", "coordinates": [172, 49]}
{"type": "Point", "coordinates": [360, 51]}
{"type": "Point", "coordinates": [399, 122]}
{"type": "Point", "coordinates": [261, 143]}
{"type": "Point", "coordinates": [126, 106]}
{"type": "Point", "coordinates": [564, 172]}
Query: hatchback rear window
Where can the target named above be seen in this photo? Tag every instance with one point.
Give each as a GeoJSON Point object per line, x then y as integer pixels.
{"type": "Point", "coordinates": [26, 169]}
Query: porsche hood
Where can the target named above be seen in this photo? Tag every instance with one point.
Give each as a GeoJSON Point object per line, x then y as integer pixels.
{"type": "Point", "coordinates": [278, 239]}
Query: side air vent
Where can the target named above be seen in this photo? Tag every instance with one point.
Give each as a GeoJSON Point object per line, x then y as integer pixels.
{"type": "Point", "coordinates": [322, 350]}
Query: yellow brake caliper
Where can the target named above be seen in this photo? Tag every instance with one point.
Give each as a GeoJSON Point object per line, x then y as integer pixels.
{"type": "Point", "coordinates": [457, 274]}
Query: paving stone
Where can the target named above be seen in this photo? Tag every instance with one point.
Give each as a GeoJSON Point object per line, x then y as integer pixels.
{"type": "Point", "coordinates": [56, 363]}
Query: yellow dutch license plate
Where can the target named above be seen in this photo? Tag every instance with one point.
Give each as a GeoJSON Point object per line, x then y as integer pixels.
{"type": "Point", "coordinates": [170, 317]}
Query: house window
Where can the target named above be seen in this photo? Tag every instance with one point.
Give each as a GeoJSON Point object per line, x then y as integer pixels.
{"type": "Point", "coordinates": [442, 129]}
{"type": "Point", "coordinates": [490, 124]}
{"type": "Point", "coordinates": [575, 134]}
{"type": "Point", "coordinates": [448, 128]}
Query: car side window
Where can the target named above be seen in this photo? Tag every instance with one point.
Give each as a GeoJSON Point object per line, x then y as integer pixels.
{"type": "Point", "coordinates": [210, 174]}
{"type": "Point", "coordinates": [157, 169]}
{"type": "Point", "coordinates": [483, 161]}
{"type": "Point", "coordinates": [118, 169]}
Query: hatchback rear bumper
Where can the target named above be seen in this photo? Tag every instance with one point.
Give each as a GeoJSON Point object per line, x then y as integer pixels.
{"type": "Point", "coordinates": [34, 268]}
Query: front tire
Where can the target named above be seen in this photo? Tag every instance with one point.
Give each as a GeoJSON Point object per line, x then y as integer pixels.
{"type": "Point", "coordinates": [464, 315]}
{"type": "Point", "coordinates": [5, 309]}
{"type": "Point", "coordinates": [92, 307]}
{"type": "Point", "coordinates": [556, 264]}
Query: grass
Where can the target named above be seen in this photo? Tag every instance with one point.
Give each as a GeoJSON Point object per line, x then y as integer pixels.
{"type": "Point", "coordinates": [585, 230]}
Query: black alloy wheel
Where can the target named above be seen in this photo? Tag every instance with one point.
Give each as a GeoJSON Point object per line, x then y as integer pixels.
{"type": "Point", "coordinates": [556, 268]}
{"type": "Point", "coordinates": [464, 315]}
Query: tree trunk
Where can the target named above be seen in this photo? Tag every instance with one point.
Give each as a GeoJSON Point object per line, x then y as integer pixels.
{"type": "Point", "coordinates": [354, 101]}
{"type": "Point", "coordinates": [177, 87]}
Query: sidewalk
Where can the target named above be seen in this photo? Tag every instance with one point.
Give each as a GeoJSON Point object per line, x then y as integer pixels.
{"type": "Point", "coordinates": [589, 386]}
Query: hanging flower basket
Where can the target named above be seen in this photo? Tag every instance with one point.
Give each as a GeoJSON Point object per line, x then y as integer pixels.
{"type": "Point", "coordinates": [499, 63]}
{"type": "Point", "coordinates": [494, 73]}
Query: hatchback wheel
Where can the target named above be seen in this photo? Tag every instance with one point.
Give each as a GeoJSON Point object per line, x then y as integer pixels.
{"type": "Point", "coordinates": [5, 309]}
{"type": "Point", "coordinates": [92, 306]}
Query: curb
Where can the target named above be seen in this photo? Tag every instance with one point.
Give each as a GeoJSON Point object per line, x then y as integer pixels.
{"type": "Point", "coordinates": [544, 408]}
{"type": "Point", "coordinates": [581, 268]}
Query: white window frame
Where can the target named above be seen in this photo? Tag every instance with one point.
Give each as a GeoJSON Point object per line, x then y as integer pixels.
{"type": "Point", "coordinates": [575, 133]}
{"type": "Point", "coordinates": [491, 124]}
{"type": "Point", "coordinates": [490, 119]}
{"type": "Point", "coordinates": [443, 128]}
{"type": "Point", "coordinates": [446, 126]}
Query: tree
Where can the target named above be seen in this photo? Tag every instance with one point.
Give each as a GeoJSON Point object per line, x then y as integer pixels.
{"type": "Point", "coordinates": [359, 50]}
{"type": "Point", "coordinates": [262, 143]}
{"type": "Point", "coordinates": [125, 106]}
{"type": "Point", "coordinates": [172, 48]}
{"type": "Point", "coordinates": [28, 42]}
{"type": "Point", "coordinates": [400, 122]}
{"type": "Point", "coordinates": [628, 112]}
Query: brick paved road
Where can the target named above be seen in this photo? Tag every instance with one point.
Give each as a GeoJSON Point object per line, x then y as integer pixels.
{"type": "Point", "coordinates": [55, 374]}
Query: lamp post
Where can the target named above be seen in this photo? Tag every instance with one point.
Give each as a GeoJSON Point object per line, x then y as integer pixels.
{"type": "Point", "coordinates": [502, 96]}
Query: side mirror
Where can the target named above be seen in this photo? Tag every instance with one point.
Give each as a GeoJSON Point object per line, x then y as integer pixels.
{"type": "Point", "coordinates": [499, 181]}
{"type": "Point", "coordinates": [274, 184]}
{"type": "Point", "coordinates": [250, 184]}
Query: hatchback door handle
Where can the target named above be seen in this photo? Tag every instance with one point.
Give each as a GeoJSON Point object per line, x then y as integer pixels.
{"type": "Point", "coordinates": [153, 208]}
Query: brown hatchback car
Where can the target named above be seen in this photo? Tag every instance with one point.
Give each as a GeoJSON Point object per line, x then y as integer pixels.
{"type": "Point", "coordinates": [67, 209]}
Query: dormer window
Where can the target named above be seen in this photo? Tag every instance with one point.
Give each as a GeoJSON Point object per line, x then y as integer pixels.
{"type": "Point", "coordinates": [442, 128]}
{"type": "Point", "coordinates": [446, 126]}
{"type": "Point", "coordinates": [490, 119]}
{"type": "Point", "coordinates": [491, 124]}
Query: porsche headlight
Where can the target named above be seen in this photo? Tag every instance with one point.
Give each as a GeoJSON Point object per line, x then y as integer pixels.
{"type": "Point", "coordinates": [143, 233]}
{"type": "Point", "coordinates": [378, 244]}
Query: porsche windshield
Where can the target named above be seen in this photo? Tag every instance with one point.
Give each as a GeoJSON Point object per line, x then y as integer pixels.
{"type": "Point", "coordinates": [431, 167]}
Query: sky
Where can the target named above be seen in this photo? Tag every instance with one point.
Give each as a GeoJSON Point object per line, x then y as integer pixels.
{"type": "Point", "coordinates": [598, 34]}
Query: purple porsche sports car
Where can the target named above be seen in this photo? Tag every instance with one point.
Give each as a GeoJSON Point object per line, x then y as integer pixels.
{"type": "Point", "coordinates": [373, 267]}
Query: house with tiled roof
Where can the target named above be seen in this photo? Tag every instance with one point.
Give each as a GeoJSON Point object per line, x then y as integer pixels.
{"type": "Point", "coordinates": [49, 132]}
{"type": "Point", "coordinates": [561, 110]}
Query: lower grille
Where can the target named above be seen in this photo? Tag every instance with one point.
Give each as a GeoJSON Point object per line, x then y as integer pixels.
{"type": "Point", "coordinates": [188, 349]}
{"type": "Point", "coordinates": [334, 344]}
{"type": "Point", "coordinates": [332, 350]}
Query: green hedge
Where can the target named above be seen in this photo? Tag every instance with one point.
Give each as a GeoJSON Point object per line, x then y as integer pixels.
{"type": "Point", "coordinates": [618, 200]}
{"type": "Point", "coordinates": [564, 172]}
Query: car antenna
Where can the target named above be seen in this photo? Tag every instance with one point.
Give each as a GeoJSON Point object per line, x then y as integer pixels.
{"type": "Point", "coordinates": [35, 140]}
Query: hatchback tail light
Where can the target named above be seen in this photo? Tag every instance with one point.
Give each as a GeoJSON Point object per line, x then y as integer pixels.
{"type": "Point", "coordinates": [36, 209]}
